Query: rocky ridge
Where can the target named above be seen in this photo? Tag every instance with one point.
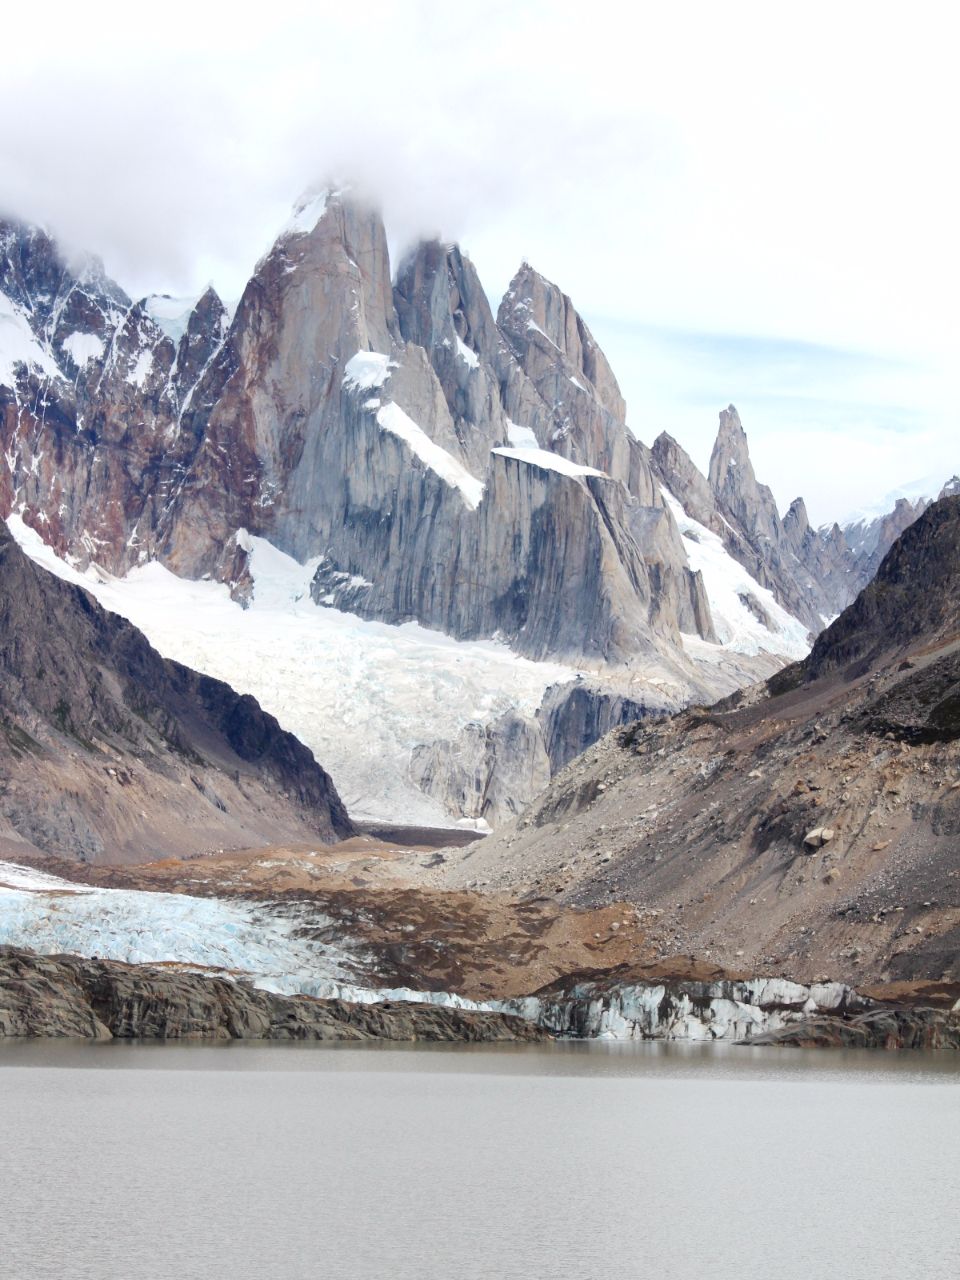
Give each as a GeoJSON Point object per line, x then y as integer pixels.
{"type": "Point", "coordinates": [813, 573]}
{"type": "Point", "coordinates": [399, 431]}
{"type": "Point", "coordinates": [338, 416]}
{"type": "Point", "coordinates": [110, 752]}
{"type": "Point", "coordinates": [103, 1000]}
{"type": "Point", "coordinates": [805, 827]}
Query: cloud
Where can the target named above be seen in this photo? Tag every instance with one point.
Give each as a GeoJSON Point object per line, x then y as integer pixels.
{"type": "Point", "coordinates": [702, 169]}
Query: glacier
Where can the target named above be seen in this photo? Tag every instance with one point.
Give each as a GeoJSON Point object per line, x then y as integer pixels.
{"type": "Point", "coordinates": [265, 943]}
{"type": "Point", "coordinates": [361, 695]}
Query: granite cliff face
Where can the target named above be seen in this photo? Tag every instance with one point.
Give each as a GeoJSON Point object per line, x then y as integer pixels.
{"type": "Point", "coordinates": [108, 752]}
{"type": "Point", "coordinates": [470, 472]}
{"type": "Point", "coordinates": [419, 449]}
{"type": "Point", "coordinates": [493, 771]}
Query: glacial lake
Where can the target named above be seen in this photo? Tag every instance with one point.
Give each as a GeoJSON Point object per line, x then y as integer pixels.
{"type": "Point", "coordinates": [579, 1161]}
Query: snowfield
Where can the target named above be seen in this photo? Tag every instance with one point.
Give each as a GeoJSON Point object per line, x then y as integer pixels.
{"type": "Point", "coordinates": [19, 346]}
{"type": "Point", "coordinates": [728, 586]}
{"type": "Point", "coordinates": [393, 419]}
{"type": "Point", "coordinates": [360, 694]}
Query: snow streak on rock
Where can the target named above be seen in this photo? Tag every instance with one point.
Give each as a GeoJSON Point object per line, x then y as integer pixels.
{"type": "Point", "coordinates": [393, 419]}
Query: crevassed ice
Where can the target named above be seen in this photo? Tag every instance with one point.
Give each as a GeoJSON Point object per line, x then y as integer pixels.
{"type": "Point", "coordinates": [170, 315]}
{"type": "Point", "coordinates": [139, 927]}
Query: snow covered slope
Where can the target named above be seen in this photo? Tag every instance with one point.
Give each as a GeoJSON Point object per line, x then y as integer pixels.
{"type": "Point", "coordinates": [746, 617]}
{"type": "Point", "coordinates": [360, 694]}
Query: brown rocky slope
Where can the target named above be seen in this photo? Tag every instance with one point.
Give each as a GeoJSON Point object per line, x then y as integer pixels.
{"type": "Point", "coordinates": [809, 826]}
{"type": "Point", "coordinates": [110, 753]}
{"type": "Point", "coordinates": [103, 1000]}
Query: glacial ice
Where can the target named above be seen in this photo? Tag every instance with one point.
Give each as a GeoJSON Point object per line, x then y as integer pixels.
{"type": "Point", "coordinates": [360, 694]}
{"type": "Point", "coordinates": [706, 1011]}
{"type": "Point", "coordinates": [140, 927]}
{"type": "Point", "coordinates": [260, 941]}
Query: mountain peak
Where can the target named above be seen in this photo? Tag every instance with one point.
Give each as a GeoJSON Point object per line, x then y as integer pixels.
{"type": "Point", "coordinates": [730, 450]}
{"type": "Point", "coordinates": [915, 594]}
{"type": "Point", "coordinates": [535, 313]}
{"type": "Point", "coordinates": [439, 300]}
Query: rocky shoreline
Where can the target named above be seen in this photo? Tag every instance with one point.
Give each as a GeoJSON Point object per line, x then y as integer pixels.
{"type": "Point", "coordinates": [103, 1000]}
{"type": "Point", "coordinates": [67, 996]}
{"type": "Point", "coordinates": [700, 1007]}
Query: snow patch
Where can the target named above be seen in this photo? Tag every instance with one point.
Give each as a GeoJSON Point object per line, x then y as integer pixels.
{"type": "Point", "coordinates": [19, 346]}
{"type": "Point", "coordinates": [307, 212]}
{"type": "Point", "coordinates": [728, 585]}
{"type": "Point", "coordinates": [533, 327]}
{"type": "Point", "coordinates": [390, 417]}
{"type": "Point", "coordinates": [367, 369]}
{"type": "Point", "coordinates": [467, 354]}
{"type": "Point", "coordinates": [141, 369]}
{"type": "Point", "coordinates": [549, 461]}
{"type": "Point", "coordinates": [83, 347]}
{"type": "Point", "coordinates": [521, 437]}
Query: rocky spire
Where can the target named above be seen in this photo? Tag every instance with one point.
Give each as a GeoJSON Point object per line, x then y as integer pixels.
{"type": "Point", "coordinates": [796, 525]}
{"type": "Point", "coordinates": [443, 313]}
{"type": "Point", "coordinates": [439, 298]}
{"type": "Point", "coordinates": [334, 251]}
{"type": "Point", "coordinates": [203, 335]}
{"type": "Point", "coordinates": [734, 483]}
{"type": "Point", "coordinates": [535, 317]}
{"type": "Point", "coordinates": [677, 470]}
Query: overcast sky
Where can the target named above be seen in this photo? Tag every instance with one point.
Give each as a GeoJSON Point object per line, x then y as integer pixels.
{"type": "Point", "coordinates": [754, 204]}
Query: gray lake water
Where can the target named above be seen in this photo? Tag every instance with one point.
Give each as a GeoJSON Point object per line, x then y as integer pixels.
{"type": "Point", "coordinates": [582, 1161]}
